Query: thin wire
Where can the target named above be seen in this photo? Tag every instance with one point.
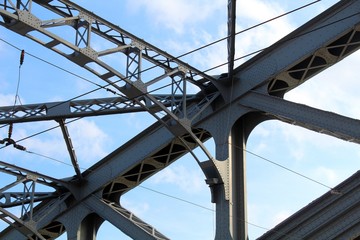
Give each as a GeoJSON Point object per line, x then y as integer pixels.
{"type": "Point", "coordinates": [214, 211]}
{"type": "Point", "coordinates": [190, 52]}
{"type": "Point", "coordinates": [210, 68]}
{"type": "Point", "coordinates": [250, 28]}
{"type": "Point", "coordinates": [286, 168]}
{"type": "Point", "coordinates": [41, 132]}
{"type": "Point", "coordinates": [204, 71]}
{"type": "Point", "coordinates": [224, 38]}
{"type": "Point", "coordinates": [248, 151]}
{"type": "Point", "coordinates": [244, 56]}
{"type": "Point", "coordinates": [284, 40]}
{"type": "Point", "coordinates": [19, 78]}
{"type": "Point", "coordinates": [221, 65]}
{"type": "Point", "coordinates": [18, 86]}
{"type": "Point", "coordinates": [51, 64]}
{"type": "Point", "coordinates": [177, 198]}
{"type": "Point", "coordinates": [175, 58]}
{"type": "Point", "coordinates": [50, 158]}
{"type": "Point", "coordinates": [196, 204]}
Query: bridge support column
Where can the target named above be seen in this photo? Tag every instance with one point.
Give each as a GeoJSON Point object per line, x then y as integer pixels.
{"type": "Point", "coordinates": [230, 197]}
{"type": "Point", "coordinates": [87, 230]}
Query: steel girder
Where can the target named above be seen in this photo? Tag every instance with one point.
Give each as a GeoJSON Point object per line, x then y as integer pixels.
{"type": "Point", "coordinates": [125, 220]}
{"type": "Point", "coordinates": [301, 115]}
{"type": "Point", "coordinates": [27, 199]}
{"type": "Point", "coordinates": [86, 27]}
{"type": "Point", "coordinates": [305, 52]}
{"type": "Point", "coordinates": [116, 181]}
{"type": "Point", "coordinates": [20, 173]}
{"type": "Point", "coordinates": [89, 107]}
{"type": "Point", "coordinates": [273, 71]}
{"type": "Point", "coordinates": [335, 215]}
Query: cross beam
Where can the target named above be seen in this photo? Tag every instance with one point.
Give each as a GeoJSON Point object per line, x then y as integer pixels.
{"type": "Point", "coordinates": [276, 70]}
{"type": "Point", "coordinates": [83, 108]}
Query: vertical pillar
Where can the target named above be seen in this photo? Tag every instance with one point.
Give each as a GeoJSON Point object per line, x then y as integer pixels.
{"type": "Point", "coordinates": [230, 197]}
{"type": "Point", "coordinates": [81, 223]}
{"type": "Point", "coordinates": [237, 183]}
{"type": "Point", "coordinates": [89, 227]}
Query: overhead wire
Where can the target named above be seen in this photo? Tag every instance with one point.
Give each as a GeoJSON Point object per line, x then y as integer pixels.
{"type": "Point", "coordinates": [283, 41]}
{"type": "Point", "coordinates": [105, 86]}
{"type": "Point", "coordinates": [249, 28]}
{"type": "Point", "coordinates": [212, 210]}
{"type": "Point", "coordinates": [197, 204]}
{"type": "Point", "coordinates": [144, 70]}
{"type": "Point", "coordinates": [180, 56]}
{"type": "Point", "coordinates": [52, 64]}
{"type": "Point", "coordinates": [204, 72]}
{"type": "Point", "coordinates": [237, 33]}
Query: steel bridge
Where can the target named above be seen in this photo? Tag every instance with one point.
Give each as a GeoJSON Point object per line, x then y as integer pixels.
{"type": "Point", "coordinates": [241, 98]}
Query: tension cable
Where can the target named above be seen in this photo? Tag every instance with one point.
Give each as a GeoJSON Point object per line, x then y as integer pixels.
{"type": "Point", "coordinates": [8, 140]}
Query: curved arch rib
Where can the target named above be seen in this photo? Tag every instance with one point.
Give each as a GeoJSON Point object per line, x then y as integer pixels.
{"type": "Point", "coordinates": [86, 26]}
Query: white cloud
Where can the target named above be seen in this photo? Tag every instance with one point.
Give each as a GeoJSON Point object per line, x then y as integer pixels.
{"type": "Point", "coordinates": [280, 216]}
{"type": "Point", "coordinates": [264, 35]}
{"type": "Point", "coordinates": [189, 181]}
{"type": "Point", "coordinates": [7, 99]}
{"type": "Point", "coordinates": [177, 14]}
{"type": "Point", "coordinates": [264, 10]}
{"type": "Point", "coordinates": [332, 90]}
{"type": "Point", "coordinates": [326, 175]}
{"type": "Point", "coordinates": [246, 42]}
{"type": "Point", "coordinates": [89, 141]}
{"type": "Point", "coordinates": [139, 208]}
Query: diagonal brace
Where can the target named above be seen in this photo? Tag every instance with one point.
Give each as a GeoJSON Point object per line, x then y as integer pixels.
{"type": "Point", "coordinates": [317, 120]}
{"type": "Point", "coordinates": [29, 226]}
{"type": "Point", "coordinates": [70, 148]}
{"type": "Point", "coordinates": [124, 219]}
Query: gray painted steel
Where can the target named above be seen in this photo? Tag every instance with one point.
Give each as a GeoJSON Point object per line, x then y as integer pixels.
{"type": "Point", "coordinates": [335, 215]}
{"type": "Point", "coordinates": [257, 87]}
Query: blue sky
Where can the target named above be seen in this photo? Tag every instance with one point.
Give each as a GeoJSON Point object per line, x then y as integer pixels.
{"type": "Point", "coordinates": [178, 26]}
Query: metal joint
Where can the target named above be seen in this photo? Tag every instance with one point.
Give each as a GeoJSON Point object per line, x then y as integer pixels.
{"type": "Point", "coordinates": [137, 45]}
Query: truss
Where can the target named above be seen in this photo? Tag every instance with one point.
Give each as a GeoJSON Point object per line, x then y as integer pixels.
{"type": "Point", "coordinates": [92, 107]}
{"type": "Point", "coordinates": [80, 204]}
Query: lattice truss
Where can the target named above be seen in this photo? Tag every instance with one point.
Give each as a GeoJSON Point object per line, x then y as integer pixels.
{"type": "Point", "coordinates": [125, 79]}
{"type": "Point", "coordinates": [149, 79]}
{"type": "Point", "coordinates": [135, 55]}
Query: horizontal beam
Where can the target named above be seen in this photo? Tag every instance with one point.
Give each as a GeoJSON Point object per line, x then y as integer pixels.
{"type": "Point", "coordinates": [153, 148]}
{"type": "Point", "coordinates": [304, 116]}
{"type": "Point", "coordinates": [20, 172]}
{"type": "Point", "coordinates": [81, 108]}
{"type": "Point", "coordinates": [86, 26]}
{"type": "Point", "coordinates": [13, 199]}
